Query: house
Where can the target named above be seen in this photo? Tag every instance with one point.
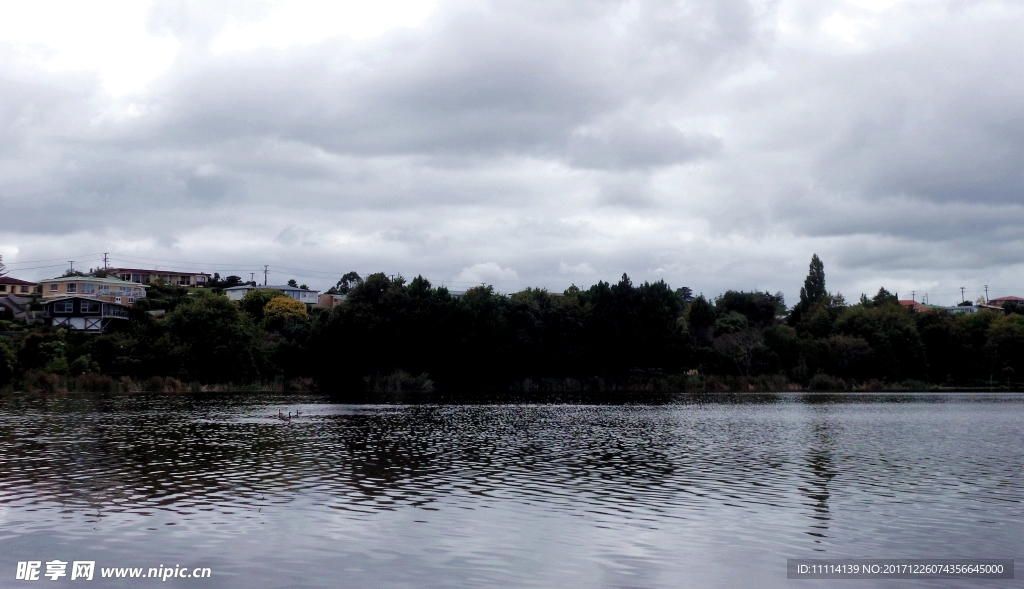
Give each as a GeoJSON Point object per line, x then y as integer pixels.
{"type": "Point", "coordinates": [15, 307]}
{"type": "Point", "coordinates": [991, 308]}
{"type": "Point", "coordinates": [326, 301]}
{"type": "Point", "coordinates": [310, 297]}
{"type": "Point", "coordinates": [15, 298]}
{"type": "Point", "coordinates": [110, 290]}
{"type": "Point", "coordinates": [143, 276]}
{"type": "Point", "coordinates": [84, 313]}
{"type": "Point", "coordinates": [915, 306]}
{"type": "Point", "coordinates": [1003, 301]}
{"type": "Point", "coordinates": [10, 285]}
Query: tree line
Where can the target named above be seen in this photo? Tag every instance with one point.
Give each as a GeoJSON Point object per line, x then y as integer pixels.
{"type": "Point", "coordinates": [394, 333]}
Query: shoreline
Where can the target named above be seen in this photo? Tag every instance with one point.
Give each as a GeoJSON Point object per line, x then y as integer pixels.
{"type": "Point", "coordinates": [421, 386]}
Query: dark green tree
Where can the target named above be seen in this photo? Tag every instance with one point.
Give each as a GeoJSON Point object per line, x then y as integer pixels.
{"type": "Point", "coordinates": [347, 282]}
{"type": "Point", "coordinates": [228, 282]}
{"type": "Point", "coordinates": [255, 301]}
{"type": "Point", "coordinates": [897, 351]}
{"type": "Point", "coordinates": [212, 341]}
{"type": "Point", "coordinates": [8, 363]}
{"type": "Point", "coordinates": [813, 290]}
{"type": "Point", "coordinates": [700, 319]}
{"type": "Point", "coordinates": [884, 297]}
{"type": "Point", "coordinates": [760, 308]}
{"type": "Point", "coordinates": [1005, 345]}
{"type": "Point", "coordinates": [685, 295]}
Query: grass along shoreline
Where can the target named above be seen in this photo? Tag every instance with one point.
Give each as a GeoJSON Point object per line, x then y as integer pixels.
{"type": "Point", "coordinates": [404, 383]}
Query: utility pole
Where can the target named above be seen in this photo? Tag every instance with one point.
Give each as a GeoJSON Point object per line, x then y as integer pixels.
{"type": "Point", "coordinates": [913, 296]}
{"type": "Point", "coordinates": [72, 262]}
{"type": "Point", "coordinates": [104, 260]}
{"type": "Point", "coordinates": [962, 299]}
{"type": "Point", "coordinates": [986, 294]}
{"type": "Point", "coordinates": [266, 268]}
{"type": "Point", "coordinates": [252, 277]}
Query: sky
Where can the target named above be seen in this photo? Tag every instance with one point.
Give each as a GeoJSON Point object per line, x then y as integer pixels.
{"type": "Point", "coordinates": [715, 144]}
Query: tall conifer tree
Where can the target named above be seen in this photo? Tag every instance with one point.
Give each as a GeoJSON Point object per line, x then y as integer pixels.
{"type": "Point", "coordinates": [813, 290]}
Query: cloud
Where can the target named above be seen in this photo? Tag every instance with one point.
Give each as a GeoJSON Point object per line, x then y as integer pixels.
{"type": "Point", "coordinates": [628, 144]}
{"type": "Point", "coordinates": [293, 235]}
{"type": "Point", "coordinates": [581, 269]}
{"type": "Point", "coordinates": [716, 144]}
{"type": "Point", "coordinates": [487, 273]}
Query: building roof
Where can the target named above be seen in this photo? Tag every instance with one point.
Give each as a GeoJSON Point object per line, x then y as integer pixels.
{"type": "Point", "coordinates": [915, 306]}
{"type": "Point", "coordinates": [1010, 299]}
{"type": "Point", "coordinates": [71, 296]}
{"type": "Point", "coordinates": [151, 271]}
{"type": "Point", "coordinates": [992, 307]}
{"type": "Point", "coordinates": [116, 281]}
{"type": "Point", "coordinates": [15, 281]}
{"type": "Point", "coordinates": [271, 287]}
{"type": "Point", "coordinates": [15, 303]}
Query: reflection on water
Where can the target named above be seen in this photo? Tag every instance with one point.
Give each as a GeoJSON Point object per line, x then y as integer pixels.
{"type": "Point", "coordinates": [819, 463]}
{"type": "Point", "coordinates": [508, 494]}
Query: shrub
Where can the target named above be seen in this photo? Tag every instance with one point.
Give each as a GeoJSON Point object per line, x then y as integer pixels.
{"type": "Point", "coordinates": [255, 301]}
{"type": "Point", "coordinates": [8, 363]}
{"type": "Point", "coordinates": [280, 310]}
{"type": "Point", "coordinates": [43, 382]}
{"type": "Point", "coordinates": [824, 382]}
{"type": "Point", "coordinates": [399, 381]}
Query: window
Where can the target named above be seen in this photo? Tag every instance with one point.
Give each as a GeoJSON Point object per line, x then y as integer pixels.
{"type": "Point", "coordinates": [64, 307]}
{"type": "Point", "coordinates": [24, 289]}
{"type": "Point", "coordinates": [72, 287]}
{"type": "Point", "coordinates": [53, 288]}
{"type": "Point", "coordinates": [3, 288]}
{"type": "Point", "coordinates": [88, 288]}
{"type": "Point", "coordinates": [125, 289]}
{"type": "Point", "coordinates": [131, 300]}
{"type": "Point", "coordinates": [90, 306]}
{"type": "Point", "coordinates": [104, 289]}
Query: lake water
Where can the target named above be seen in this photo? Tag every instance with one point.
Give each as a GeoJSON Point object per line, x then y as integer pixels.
{"type": "Point", "coordinates": [690, 491]}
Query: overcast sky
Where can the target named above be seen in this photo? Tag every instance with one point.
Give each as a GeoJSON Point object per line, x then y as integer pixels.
{"type": "Point", "coordinates": [714, 144]}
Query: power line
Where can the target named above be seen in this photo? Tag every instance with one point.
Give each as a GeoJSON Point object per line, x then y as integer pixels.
{"type": "Point", "coordinates": [51, 259]}
{"type": "Point", "coordinates": [141, 262]}
{"type": "Point", "coordinates": [42, 267]}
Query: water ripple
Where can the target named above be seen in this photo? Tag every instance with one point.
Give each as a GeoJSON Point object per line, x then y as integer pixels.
{"type": "Point", "coordinates": [829, 474]}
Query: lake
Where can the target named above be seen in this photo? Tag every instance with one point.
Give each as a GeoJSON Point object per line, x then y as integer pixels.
{"type": "Point", "coordinates": [678, 491]}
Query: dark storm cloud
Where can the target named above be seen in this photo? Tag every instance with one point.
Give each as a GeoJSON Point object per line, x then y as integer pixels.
{"type": "Point", "coordinates": [937, 122]}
